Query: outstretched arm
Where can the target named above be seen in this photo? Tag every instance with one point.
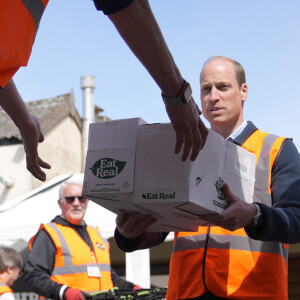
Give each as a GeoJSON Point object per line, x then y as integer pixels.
{"type": "Point", "coordinates": [29, 127]}
{"type": "Point", "coordinates": [138, 27]}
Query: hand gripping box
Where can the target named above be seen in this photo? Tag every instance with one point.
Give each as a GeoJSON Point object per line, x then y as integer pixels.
{"type": "Point", "coordinates": [166, 186]}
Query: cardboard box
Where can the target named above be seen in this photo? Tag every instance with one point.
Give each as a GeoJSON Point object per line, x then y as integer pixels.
{"type": "Point", "coordinates": [131, 165]}
{"type": "Point", "coordinates": [110, 162]}
{"type": "Point", "coordinates": [164, 183]}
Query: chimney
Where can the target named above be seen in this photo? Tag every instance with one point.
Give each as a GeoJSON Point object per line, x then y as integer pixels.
{"type": "Point", "coordinates": [88, 85]}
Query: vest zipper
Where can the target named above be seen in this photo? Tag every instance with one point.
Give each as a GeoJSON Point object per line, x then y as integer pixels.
{"type": "Point", "coordinates": [204, 257]}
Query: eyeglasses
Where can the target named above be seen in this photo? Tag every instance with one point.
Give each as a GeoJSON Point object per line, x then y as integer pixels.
{"type": "Point", "coordinates": [70, 199]}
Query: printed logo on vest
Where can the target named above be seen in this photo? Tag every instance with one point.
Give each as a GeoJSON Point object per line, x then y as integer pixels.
{"type": "Point", "coordinates": [100, 246]}
{"type": "Point", "coordinates": [219, 187]}
{"type": "Point", "coordinates": [106, 168]}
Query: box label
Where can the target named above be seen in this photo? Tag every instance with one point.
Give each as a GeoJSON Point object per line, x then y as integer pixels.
{"type": "Point", "coordinates": [107, 168]}
{"type": "Point", "coordinates": [159, 196]}
{"type": "Point", "coordinates": [109, 171]}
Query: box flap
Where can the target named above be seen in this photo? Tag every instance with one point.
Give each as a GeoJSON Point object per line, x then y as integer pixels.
{"type": "Point", "coordinates": [114, 134]}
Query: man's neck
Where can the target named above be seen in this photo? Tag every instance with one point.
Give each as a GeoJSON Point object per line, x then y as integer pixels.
{"type": "Point", "coordinates": [227, 130]}
{"type": "Point", "coordinates": [81, 223]}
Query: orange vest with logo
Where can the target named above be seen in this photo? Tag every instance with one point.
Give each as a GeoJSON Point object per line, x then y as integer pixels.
{"type": "Point", "coordinates": [228, 263]}
{"type": "Point", "coordinates": [4, 288]}
{"type": "Point", "coordinates": [75, 262]}
{"type": "Point", "coordinates": [19, 21]}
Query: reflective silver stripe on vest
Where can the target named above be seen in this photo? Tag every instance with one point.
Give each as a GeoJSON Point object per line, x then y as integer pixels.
{"type": "Point", "coordinates": [217, 241]}
{"type": "Point", "coordinates": [65, 248]}
{"type": "Point", "coordinates": [192, 242]}
{"type": "Point", "coordinates": [36, 9]}
{"type": "Point", "coordinates": [67, 270]}
{"type": "Point", "coordinates": [2, 284]}
{"type": "Point", "coordinates": [102, 238]}
{"type": "Point", "coordinates": [261, 187]}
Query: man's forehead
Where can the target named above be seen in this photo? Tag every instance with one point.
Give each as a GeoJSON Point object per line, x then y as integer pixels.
{"type": "Point", "coordinates": [72, 187]}
{"type": "Point", "coordinates": [218, 69]}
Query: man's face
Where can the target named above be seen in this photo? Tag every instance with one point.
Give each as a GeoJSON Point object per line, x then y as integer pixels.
{"type": "Point", "coordinates": [221, 97]}
{"type": "Point", "coordinates": [73, 211]}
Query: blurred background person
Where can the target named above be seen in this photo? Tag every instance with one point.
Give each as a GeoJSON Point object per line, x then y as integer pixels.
{"type": "Point", "coordinates": [11, 265]}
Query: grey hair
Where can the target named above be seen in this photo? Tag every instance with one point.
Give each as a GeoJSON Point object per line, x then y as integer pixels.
{"type": "Point", "coordinates": [75, 179]}
{"type": "Point", "coordinates": [10, 258]}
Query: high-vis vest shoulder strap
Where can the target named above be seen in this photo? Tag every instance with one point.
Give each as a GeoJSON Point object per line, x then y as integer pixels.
{"type": "Point", "coordinates": [4, 288]}
{"type": "Point", "coordinates": [230, 264]}
{"type": "Point", "coordinates": [19, 22]}
{"type": "Point", "coordinates": [76, 265]}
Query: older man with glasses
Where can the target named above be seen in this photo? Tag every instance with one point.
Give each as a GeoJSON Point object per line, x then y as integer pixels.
{"type": "Point", "coordinates": [68, 258]}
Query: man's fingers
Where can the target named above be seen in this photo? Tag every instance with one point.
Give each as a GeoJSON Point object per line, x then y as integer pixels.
{"type": "Point", "coordinates": [36, 171]}
{"type": "Point", "coordinates": [132, 221]}
{"type": "Point", "coordinates": [133, 225]}
{"type": "Point", "coordinates": [147, 222]}
{"type": "Point", "coordinates": [121, 217]}
{"type": "Point", "coordinates": [228, 194]}
{"type": "Point", "coordinates": [43, 164]}
{"type": "Point", "coordinates": [34, 167]}
{"type": "Point", "coordinates": [41, 137]}
{"type": "Point", "coordinates": [179, 141]}
{"type": "Point", "coordinates": [226, 189]}
{"type": "Point", "coordinates": [188, 144]}
{"type": "Point", "coordinates": [38, 128]}
{"type": "Point", "coordinates": [199, 111]}
{"type": "Point", "coordinates": [203, 131]}
{"type": "Point", "coordinates": [190, 131]}
{"type": "Point", "coordinates": [197, 146]}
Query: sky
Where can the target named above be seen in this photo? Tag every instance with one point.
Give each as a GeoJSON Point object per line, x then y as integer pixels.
{"type": "Point", "coordinates": [74, 40]}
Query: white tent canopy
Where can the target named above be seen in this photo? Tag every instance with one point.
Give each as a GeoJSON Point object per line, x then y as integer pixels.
{"type": "Point", "coordinates": [21, 217]}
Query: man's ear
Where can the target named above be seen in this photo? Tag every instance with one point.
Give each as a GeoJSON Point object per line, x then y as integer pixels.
{"type": "Point", "coordinates": [59, 204]}
{"type": "Point", "coordinates": [244, 92]}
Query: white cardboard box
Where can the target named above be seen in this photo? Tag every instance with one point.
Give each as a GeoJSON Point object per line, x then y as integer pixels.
{"type": "Point", "coordinates": [163, 183]}
{"type": "Point", "coordinates": [110, 163]}
{"type": "Point", "coordinates": [131, 165]}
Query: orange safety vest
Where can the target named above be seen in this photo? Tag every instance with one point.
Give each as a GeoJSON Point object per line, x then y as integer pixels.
{"type": "Point", "coordinates": [19, 22]}
{"type": "Point", "coordinates": [4, 288]}
{"type": "Point", "coordinates": [228, 263]}
{"type": "Point", "coordinates": [75, 262]}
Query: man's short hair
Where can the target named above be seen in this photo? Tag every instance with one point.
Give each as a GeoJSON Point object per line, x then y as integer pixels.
{"type": "Point", "coordinates": [10, 258]}
{"type": "Point", "coordinates": [75, 179]}
{"type": "Point", "coordinates": [238, 68]}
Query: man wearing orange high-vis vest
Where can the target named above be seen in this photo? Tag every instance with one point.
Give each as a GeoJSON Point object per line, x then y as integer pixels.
{"type": "Point", "coordinates": [243, 253]}
{"type": "Point", "coordinates": [67, 257]}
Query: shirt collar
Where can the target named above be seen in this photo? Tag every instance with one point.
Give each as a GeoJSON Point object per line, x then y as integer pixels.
{"type": "Point", "coordinates": [238, 131]}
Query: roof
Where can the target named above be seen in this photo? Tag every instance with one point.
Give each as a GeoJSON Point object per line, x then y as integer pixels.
{"type": "Point", "coordinates": [49, 111]}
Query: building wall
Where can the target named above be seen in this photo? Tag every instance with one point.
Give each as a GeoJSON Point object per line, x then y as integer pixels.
{"type": "Point", "coordinates": [61, 149]}
{"type": "Point", "coordinates": [13, 165]}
